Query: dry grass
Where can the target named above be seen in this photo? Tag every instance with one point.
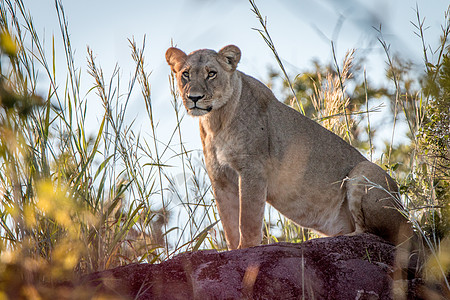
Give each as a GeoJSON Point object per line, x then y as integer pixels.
{"type": "Point", "coordinates": [76, 201]}
{"type": "Point", "coordinates": [331, 102]}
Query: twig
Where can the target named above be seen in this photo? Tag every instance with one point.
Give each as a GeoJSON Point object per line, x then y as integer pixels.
{"type": "Point", "coordinates": [266, 37]}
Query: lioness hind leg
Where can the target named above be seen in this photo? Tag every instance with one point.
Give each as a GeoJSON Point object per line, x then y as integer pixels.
{"type": "Point", "coordinates": [345, 221]}
{"type": "Point", "coordinates": [372, 198]}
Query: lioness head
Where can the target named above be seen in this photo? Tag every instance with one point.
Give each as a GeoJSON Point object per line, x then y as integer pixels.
{"type": "Point", "coordinates": [204, 77]}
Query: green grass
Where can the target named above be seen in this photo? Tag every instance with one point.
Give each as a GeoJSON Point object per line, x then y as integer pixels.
{"type": "Point", "coordinates": [76, 201]}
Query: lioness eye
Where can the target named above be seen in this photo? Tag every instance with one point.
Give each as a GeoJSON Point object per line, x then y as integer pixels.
{"type": "Point", "coordinates": [185, 75]}
{"type": "Point", "coordinates": [212, 74]}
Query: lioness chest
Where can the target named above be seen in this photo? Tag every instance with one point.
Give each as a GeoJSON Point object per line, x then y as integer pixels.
{"type": "Point", "coordinates": [236, 149]}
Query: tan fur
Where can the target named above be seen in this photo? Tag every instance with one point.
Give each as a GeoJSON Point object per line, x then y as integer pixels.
{"type": "Point", "coordinates": [257, 149]}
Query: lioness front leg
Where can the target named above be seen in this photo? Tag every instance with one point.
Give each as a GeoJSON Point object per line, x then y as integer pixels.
{"type": "Point", "coordinates": [252, 194]}
{"type": "Point", "coordinates": [227, 202]}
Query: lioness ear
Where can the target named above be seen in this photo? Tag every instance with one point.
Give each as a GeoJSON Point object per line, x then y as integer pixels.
{"type": "Point", "coordinates": [175, 58]}
{"type": "Point", "coordinates": [231, 55]}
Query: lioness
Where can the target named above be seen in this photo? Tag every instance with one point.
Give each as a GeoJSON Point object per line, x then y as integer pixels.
{"type": "Point", "coordinates": [257, 149]}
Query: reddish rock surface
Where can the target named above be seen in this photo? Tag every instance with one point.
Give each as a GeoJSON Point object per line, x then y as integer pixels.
{"type": "Point", "coordinates": [345, 267]}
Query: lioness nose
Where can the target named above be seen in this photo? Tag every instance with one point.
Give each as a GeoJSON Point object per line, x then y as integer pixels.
{"type": "Point", "coordinates": [195, 98]}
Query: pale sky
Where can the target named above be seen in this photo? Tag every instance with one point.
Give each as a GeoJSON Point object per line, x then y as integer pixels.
{"type": "Point", "coordinates": [301, 30]}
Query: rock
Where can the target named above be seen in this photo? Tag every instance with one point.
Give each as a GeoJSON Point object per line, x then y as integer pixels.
{"type": "Point", "coordinates": [344, 267]}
